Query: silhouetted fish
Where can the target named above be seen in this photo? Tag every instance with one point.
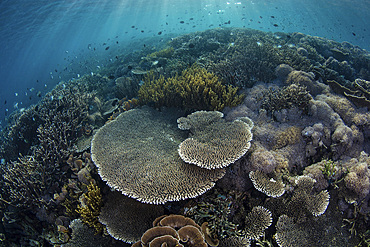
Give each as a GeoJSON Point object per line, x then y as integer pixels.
{"type": "Point", "coordinates": [106, 48]}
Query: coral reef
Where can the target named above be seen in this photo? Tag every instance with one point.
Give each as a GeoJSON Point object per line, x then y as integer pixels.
{"type": "Point", "coordinates": [127, 219]}
{"type": "Point", "coordinates": [194, 89]}
{"type": "Point", "coordinates": [306, 98]}
{"type": "Point", "coordinates": [213, 144]}
{"type": "Point", "coordinates": [143, 144]}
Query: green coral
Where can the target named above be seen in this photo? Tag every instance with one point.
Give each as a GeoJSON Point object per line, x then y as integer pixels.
{"type": "Point", "coordinates": [195, 88]}
{"type": "Point", "coordinates": [90, 207]}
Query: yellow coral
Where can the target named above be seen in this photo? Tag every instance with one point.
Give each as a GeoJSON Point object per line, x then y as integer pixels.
{"type": "Point", "coordinates": [90, 207]}
{"type": "Point", "coordinates": [166, 52]}
{"type": "Point", "coordinates": [196, 88]}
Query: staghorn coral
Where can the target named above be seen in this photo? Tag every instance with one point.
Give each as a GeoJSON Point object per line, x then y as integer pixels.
{"type": "Point", "coordinates": [127, 219]}
{"type": "Point", "coordinates": [217, 143]}
{"type": "Point", "coordinates": [137, 154]}
{"type": "Point", "coordinates": [256, 222]}
{"type": "Point", "coordinates": [194, 89]}
{"type": "Point", "coordinates": [23, 182]}
{"type": "Point", "coordinates": [90, 207]}
{"type": "Point", "coordinates": [266, 185]}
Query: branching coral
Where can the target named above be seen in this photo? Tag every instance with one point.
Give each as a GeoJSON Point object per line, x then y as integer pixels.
{"type": "Point", "coordinates": [194, 89]}
{"type": "Point", "coordinates": [90, 207]}
{"type": "Point", "coordinates": [23, 182]}
{"type": "Point", "coordinates": [291, 96]}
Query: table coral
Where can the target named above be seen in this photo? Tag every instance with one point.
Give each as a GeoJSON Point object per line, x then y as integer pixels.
{"type": "Point", "coordinates": [216, 143]}
{"type": "Point", "coordinates": [137, 154]}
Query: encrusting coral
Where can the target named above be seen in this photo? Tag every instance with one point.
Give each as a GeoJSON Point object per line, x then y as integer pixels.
{"type": "Point", "coordinates": [214, 143]}
{"type": "Point", "coordinates": [194, 89]}
{"type": "Point", "coordinates": [137, 154]}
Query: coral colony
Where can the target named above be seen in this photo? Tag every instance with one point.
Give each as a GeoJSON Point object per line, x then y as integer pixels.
{"type": "Point", "coordinates": [227, 137]}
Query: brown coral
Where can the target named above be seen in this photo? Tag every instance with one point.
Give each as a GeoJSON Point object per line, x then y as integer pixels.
{"type": "Point", "coordinates": [127, 219]}
{"type": "Point", "coordinates": [266, 185]}
{"type": "Point", "coordinates": [137, 154]}
{"type": "Point", "coordinates": [214, 145]}
{"type": "Point", "coordinates": [173, 230]}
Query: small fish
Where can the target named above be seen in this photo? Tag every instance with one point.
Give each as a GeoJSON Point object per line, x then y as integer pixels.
{"type": "Point", "coordinates": [142, 31]}
{"type": "Point", "coordinates": [272, 16]}
{"type": "Point", "coordinates": [104, 43]}
{"type": "Point", "coordinates": [182, 22]}
{"type": "Point", "coordinates": [5, 102]}
{"type": "Point", "coordinates": [132, 26]}
{"type": "Point", "coordinates": [276, 25]}
{"type": "Point", "coordinates": [159, 33]}
{"type": "Point", "coordinates": [16, 94]}
{"type": "Point", "coordinates": [106, 48]}
{"type": "Point", "coordinates": [89, 46]}
{"type": "Point", "coordinates": [353, 34]}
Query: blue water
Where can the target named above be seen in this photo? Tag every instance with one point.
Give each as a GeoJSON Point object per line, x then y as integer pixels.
{"type": "Point", "coordinates": [44, 42]}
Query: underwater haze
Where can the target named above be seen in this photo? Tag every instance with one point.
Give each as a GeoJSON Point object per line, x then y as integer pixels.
{"type": "Point", "coordinates": [44, 42]}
